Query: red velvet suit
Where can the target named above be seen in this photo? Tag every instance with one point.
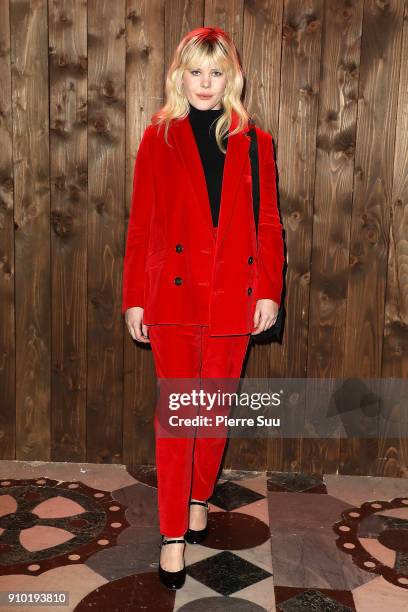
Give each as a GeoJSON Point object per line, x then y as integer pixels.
{"type": "Point", "coordinates": [198, 286]}
{"type": "Point", "coordinates": [174, 266]}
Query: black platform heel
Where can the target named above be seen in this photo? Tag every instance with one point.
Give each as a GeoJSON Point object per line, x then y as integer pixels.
{"type": "Point", "coordinates": [193, 536]}
{"type": "Point", "coordinates": [172, 580]}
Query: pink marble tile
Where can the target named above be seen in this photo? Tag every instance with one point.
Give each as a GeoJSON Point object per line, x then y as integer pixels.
{"type": "Point", "coordinates": [379, 595]}
{"type": "Point", "coordinates": [257, 484]}
{"type": "Point", "coordinates": [261, 593]}
{"type": "Point", "coordinates": [258, 555]}
{"type": "Point", "coordinates": [41, 537]}
{"type": "Point", "coordinates": [7, 504]}
{"type": "Point", "coordinates": [57, 507]}
{"type": "Point", "coordinates": [100, 476]}
{"type": "Point", "coordinates": [379, 551]}
{"type": "Point", "coordinates": [259, 509]}
{"type": "Point", "coordinates": [401, 513]}
{"type": "Point", "coordinates": [79, 580]}
{"type": "Point", "coordinates": [192, 590]}
{"type": "Point", "coordinates": [355, 490]}
{"type": "Point", "coordinates": [198, 552]}
{"type": "Point", "coordinates": [312, 559]}
{"type": "Point", "coordinates": [303, 512]}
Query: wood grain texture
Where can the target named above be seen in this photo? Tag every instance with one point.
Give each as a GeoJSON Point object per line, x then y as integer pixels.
{"type": "Point", "coordinates": [7, 269]}
{"type": "Point", "coordinates": [298, 115]}
{"type": "Point", "coordinates": [332, 206]}
{"type": "Point", "coordinates": [370, 219]}
{"type": "Point", "coordinates": [30, 99]}
{"type": "Point", "coordinates": [228, 16]}
{"type": "Point", "coordinates": [106, 191]}
{"type": "Point", "coordinates": [393, 452]}
{"type": "Point", "coordinates": [81, 80]}
{"type": "Point", "coordinates": [261, 56]}
{"type": "Point", "coordinates": [69, 180]}
{"type": "Point", "coordinates": [145, 41]}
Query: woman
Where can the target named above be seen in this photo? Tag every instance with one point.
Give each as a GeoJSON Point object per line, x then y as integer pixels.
{"type": "Point", "coordinates": [196, 282]}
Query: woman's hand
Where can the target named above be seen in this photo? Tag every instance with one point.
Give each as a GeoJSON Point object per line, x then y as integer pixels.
{"type": "Point", "coordinates": [266, 312]}
{"type": "Point", "coordinates": [134, 322]}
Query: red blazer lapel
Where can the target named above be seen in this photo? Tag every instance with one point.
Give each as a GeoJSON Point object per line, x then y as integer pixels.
{"type": "Point", "coordinates": [182, 137]}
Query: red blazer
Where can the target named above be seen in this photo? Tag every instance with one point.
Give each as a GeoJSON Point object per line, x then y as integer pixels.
{"type": "Point", "coordinates": [173, 267]}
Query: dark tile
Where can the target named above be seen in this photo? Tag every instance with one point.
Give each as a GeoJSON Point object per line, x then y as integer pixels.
{"type": "Point", "coordinates": [139, 592]}
{"type": "Point", "coordinates": [316, 600]}
{"type": "Point", "coordinates": [231, 496]}
{"type": "Point", "coordinates": [372, 526]}
{"type": "Point", "coordinates": [295, 482]}
{"type": "Point", "coordinates": [141, 503]}
{"type": "Point", "coordinates": [395, 539]}
{"type": "Point", "coordinates": [237, 475]}
{"type": "Point", "coordinates": [312, 560]}
{"type": "Point", "coordinates": [221, 604]}
{"type": "Point", "coordinates": [138, 551]}
{"type": "Point", "coordinates": [401, 564]}
{"type": "Point", "coordinates": [226, 573]}
{"type": "Point", "coordinates": [235, 531]}
{"type": "Point", "coordinates": [298, 512]}
{"type": "Point", "coordinates": [146, 474]}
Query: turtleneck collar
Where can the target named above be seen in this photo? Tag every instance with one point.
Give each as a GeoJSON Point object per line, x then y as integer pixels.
{"type": "Point", "coordinates": [204, 115]}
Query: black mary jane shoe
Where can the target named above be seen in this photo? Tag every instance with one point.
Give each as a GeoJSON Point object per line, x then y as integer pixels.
{"type": "Point", "coordinates": [193, 536]}
{"type": "Point", "coordinates": [172, 580]}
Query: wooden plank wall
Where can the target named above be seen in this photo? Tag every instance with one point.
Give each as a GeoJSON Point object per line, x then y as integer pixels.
{"type": "Point", "coordinates": [80, 81]}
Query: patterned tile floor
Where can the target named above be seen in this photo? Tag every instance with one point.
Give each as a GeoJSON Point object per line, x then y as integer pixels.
{"type": "Point", "coordinates": [289, 542]}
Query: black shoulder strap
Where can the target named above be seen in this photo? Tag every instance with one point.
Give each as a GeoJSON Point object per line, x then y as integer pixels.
{"type": "Point", "coordinates": [253, 155]}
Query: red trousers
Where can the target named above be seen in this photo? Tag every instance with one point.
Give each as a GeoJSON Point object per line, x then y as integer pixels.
{"type": "Point", "coordinates": [188, 467]}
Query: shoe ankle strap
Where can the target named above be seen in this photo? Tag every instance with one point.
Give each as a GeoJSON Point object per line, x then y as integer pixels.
{"type": "Point", "coordinates": [199, 503]}
{"type": "Point", "coordinates": [172, 540]}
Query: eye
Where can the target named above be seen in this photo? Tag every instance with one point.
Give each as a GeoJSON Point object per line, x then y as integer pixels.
{"type": "Point", "coordinates": [216, 72]}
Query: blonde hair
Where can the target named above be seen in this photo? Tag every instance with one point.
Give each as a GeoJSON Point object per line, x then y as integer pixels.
{"type": "Point", "coordinates": [202, 45]}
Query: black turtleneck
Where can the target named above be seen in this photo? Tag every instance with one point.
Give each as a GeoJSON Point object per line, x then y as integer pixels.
{"type": "Point", "coordinates": [211, 156]}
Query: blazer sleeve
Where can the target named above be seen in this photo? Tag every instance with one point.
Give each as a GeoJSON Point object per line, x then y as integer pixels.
{"type": "Point", "coordinates": [270, 239]}
{"type": "Point", "coordinates": [138, 227]}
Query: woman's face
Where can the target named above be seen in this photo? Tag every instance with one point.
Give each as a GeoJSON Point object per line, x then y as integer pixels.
{"type": "Point", "coordinates": [204, 86]}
